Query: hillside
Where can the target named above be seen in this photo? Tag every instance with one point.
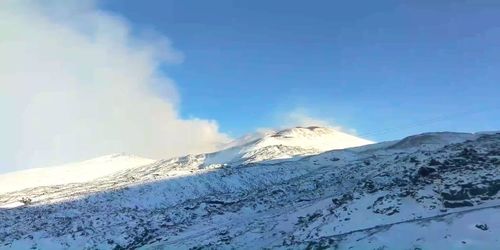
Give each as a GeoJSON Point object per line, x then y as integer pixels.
{"type": "Point", "coordinates": [69, 173]}
{"type": "Point", "coordinates": [425, 191]}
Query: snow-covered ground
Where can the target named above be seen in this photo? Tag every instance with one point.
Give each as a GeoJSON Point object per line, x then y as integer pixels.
{"type": "Point", "coordinates": [70, 173]}
{"type": "Point", "coordinates": [429, 191]}
{"type": "Point", "coordinates": [284, 144]}
{"type": "Point", "coordinates": [270, 145]}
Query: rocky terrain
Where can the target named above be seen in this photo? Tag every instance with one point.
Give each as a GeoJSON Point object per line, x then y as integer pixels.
{"type": "Point", "coordinates": [428, 191]}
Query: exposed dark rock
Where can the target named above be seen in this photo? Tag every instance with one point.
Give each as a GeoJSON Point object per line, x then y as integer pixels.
{"type": "Point", "coordinates": [26, 201]}
{"type": "Point", "coordinates": [434, 162]}
{"type": "Point", "coordinates": [456, 204]}
{"type": "Point", "coordinates": [425, 171]}
{"type": "Point", "coordinates": [471, 154]}
{"type": "Point", "coordinates": [342, 200]}
{"type": "Point", "coordinates": [414, 160]}
{"type": "Point", "coordinates": [456, 195]}
{"type": "Point", "coordinates": [369, 185]}
{"type": "Point", "coordinates": [483, 227]}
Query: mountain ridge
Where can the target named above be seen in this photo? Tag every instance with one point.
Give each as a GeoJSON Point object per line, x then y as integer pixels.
{"type": "Point", "coordinates": [76, 172]}
{"type": "Point", "coordinates": [271, 145]}
{"type": "Point", "coordinates": [312, 201]}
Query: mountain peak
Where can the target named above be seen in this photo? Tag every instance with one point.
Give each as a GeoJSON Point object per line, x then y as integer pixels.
{"type": "Point", "coordinates": [285, 143]}
{"type": "Point", "coordinates": [410, 185]}
{"type": "Point", "coordinates": [320, 138]}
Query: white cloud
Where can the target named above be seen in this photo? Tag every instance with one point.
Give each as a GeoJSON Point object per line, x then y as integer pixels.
{"type": "Point", "coordinates": [302, 117]}
{"type": "Point", "coordinates": [75, 83]}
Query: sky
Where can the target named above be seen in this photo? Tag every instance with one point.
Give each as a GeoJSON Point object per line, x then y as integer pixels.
{"type": "Point", "coordinates": [79, 79]}
{"type": "Point", "coordinates": [371, 66]}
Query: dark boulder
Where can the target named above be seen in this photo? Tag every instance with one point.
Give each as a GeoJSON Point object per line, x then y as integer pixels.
{"type": "Point", "coordinates": [434, 162]}
{"type": "Point", "coordinates": [425, 171]}
{"type": "Point", "coordinates": [483, 227]}
{"type": "Point", "coordinates": [448, 204]}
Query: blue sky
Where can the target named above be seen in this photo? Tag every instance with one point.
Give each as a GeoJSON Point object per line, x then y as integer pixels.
{"type": "Point", "coordinates": [384, 68]}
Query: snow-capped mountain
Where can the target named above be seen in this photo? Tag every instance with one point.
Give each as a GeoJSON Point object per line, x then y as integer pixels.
{"type": "Point", "coordinates": [284, 144]}
{"type": "Point", "coordinates": [429, 191]}
{"type": "Point", "coordinates": [69, 173]}
{"type": "Point", "coordinates": [269, 145]}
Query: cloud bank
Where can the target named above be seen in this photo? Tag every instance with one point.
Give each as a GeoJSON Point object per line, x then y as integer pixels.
{"type": "Point", "coordinates": [76, 83]}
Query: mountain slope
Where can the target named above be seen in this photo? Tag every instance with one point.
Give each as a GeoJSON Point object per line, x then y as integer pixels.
{"type": "Point", "coordinates": [70, 173]}
{"type": "Point", "coordinates": [272, 145]}
{"type": "Point", "coordinates": [285, 144]}
{"type": "Point", "coordinates": [354, 197]}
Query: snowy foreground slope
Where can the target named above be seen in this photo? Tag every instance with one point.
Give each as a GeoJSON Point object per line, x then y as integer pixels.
{"type": "Point", "coordinates": [429, 191]}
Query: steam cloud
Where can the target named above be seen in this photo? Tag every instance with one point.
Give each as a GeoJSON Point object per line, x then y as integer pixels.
{"type": "Point", "coordinates": [75, 83]}
{"type": "Point", "coordinates": [302, 117]}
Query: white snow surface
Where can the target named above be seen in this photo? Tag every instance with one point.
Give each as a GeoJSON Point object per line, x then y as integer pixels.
{"type": "Point", "coordinates": [320, 138]}
{"type": "Point", "coordinates": [70, 173]}
{"type": "Point", "coordinates": [428, 191]}
{"type": "Point", "coordinates": [284, 144]}
{"type": "Point", "coordinates": [269, 145]}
